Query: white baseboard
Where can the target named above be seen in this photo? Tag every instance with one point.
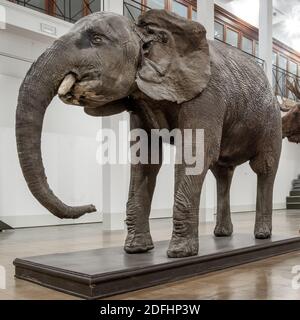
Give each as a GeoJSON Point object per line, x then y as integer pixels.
{"type": "Point", "coordinates": [252, 207]}
{"type": "Point", "coordinates": [28, 221]}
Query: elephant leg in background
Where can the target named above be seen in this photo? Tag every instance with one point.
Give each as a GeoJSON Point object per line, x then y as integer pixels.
{"type": "Point", "coordinates": [223, 176]}
{"type": "Point", "coordinates": [142, 185]}
{"type": "Point", "coordinates": [184, 240]}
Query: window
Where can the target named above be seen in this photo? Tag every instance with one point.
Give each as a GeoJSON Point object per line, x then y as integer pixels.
{"type": "Point", "coordinates": [247, 45]}
{"type": "Point", "coordinates": [219, 31]}
{"type": "Point", "coordinates": [39, 5]}
{"type": "Point", "coordinates": [292, 69]}
{"type": "Point", "coordinates": [274, 82]}
{"type": "Point", "coordinates": [274, 58]}
{"type": "Point", "coordinates": [94, 6]}
{"type": "Point", "coordinates": [281, 75]}
{"type": "Point", "coordinates": [194, 15]}
{"type": "Point", "coordinates": [132, 9]}
{"type": "Point", "coordinates": [256, 49]}
{"type": "Point", "coordinates": [180, 9]}
{"type": "Point", "coordinates": [232, 37]}
{"type": "Point", "coordinates": [73, 10]}
{"type": "Point", "coordinates": [156, 4]}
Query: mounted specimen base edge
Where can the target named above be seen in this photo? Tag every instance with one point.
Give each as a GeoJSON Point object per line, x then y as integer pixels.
{"type": "Point", "coordinates": [99, 273]}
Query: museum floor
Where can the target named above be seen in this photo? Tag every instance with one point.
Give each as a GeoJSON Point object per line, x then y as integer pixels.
{"type": "Point", "coordinates": [267, 279]}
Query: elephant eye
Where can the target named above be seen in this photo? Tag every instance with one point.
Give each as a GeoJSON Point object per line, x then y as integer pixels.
{"type": "Point", "coordinates": [96, 39]}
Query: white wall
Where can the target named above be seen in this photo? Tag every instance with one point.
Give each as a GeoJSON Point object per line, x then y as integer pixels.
{"type": "Point", "coordinates": [69, 137]}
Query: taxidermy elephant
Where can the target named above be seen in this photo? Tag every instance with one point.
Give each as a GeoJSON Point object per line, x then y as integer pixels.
{"type": "Point", "coordinates": [166, 73]}
{"type": "Point", "coordinates": [291, 121]}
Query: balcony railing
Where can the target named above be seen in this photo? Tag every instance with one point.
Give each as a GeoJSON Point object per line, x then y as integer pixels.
{"type": "Point", "coordinates": [68, 10]}
{"type": "Point", "coordinates": [133, 9]}
{"type": "Point", "coordinates": [280, 81]}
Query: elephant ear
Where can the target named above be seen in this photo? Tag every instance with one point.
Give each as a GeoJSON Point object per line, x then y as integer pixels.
{"type": "Point", "coordinates": [175, 62]}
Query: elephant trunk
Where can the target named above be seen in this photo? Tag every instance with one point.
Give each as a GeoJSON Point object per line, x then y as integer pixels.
{"type": "Point", "coordinates": [36, 93]}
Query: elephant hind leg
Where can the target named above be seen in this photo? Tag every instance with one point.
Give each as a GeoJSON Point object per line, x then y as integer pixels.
{"type": "Point", "coordinates": [265, 167]}
{"type": "Point", "coordinates": [223, 175]}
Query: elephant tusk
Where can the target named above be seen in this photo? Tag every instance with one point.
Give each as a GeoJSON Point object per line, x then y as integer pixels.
{"type": "Point", "coordinates": [66, 85]}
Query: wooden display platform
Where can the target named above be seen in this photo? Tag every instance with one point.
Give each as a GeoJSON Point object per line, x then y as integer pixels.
{"type": "Point", "coordinates": [105, 272]}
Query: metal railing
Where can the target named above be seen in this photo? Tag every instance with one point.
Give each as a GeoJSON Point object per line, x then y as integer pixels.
{"type": "Point", "coordinates": [280, 81]}
{"type": "Point", "coordinates": [63, 9]}
{"type": "Point", "coordinates": [132, 9]}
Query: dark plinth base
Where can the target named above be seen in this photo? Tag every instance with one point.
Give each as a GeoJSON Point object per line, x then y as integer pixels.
{"type": "Point", "coordinates": [104, 272]}
{"type": "Point", "coordinates": [4, 226]}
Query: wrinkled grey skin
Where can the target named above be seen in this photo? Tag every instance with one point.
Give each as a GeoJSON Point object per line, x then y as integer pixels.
{"type": "Point", "coordinates": [167, 75]}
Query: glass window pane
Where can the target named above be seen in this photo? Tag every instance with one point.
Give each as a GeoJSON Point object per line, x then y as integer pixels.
{"type": "Point", "coordinates": [232, 37]}
{"type": "Point", "coordinates": [274, 58]}
{"type": "Point", "coordinates": [194, 15]}
{"type": "Point", "coordinates": [293, 67]}
{"type": "Point", "coordinates": [274, 83]}
{"type": "Point", "coordinates": [72, 10]}
{"type": "Point", "coordinates": [247, 45]}
{"type": "Point", "coordinates": [180, 9]}
{"type": "Point", "coordinates": [256, 49]}
{"type": "Point", "coordinates": [38, 5]}
{"type": "Point", "coordinates": [76, 9]}
{"type": "Point", "coordinates": [94, 5]}
{"type": "Point", "coordinates": [132, 9]}
{"type": "Point", "coordinates": [156, 4]}
{"type": "Point", "coordinates": [281, 76]}
{"type": "Point", "coordinates": [282, 62]}
{"type": "Point", "coordinates": [219, 31]}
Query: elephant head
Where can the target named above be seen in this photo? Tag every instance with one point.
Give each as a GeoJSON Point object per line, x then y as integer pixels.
{"type": "Point", "coordinates": [98, 65]}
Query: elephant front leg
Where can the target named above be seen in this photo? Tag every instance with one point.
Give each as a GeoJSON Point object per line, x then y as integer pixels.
{"type": "Point", "coordinates": [142, 185]}
{"type": "Point", "coordinates": [184, 240]}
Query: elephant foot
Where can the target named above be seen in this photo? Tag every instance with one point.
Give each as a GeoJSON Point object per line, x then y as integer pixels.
{"type": "Point", "coordinates": [183, 247]}
{"type": "Point", "coordinates": [138, 243]}
{"type": "Point", "coordinates": [263, 231]}
{"type": "Point", "coordinates": [223, 229]}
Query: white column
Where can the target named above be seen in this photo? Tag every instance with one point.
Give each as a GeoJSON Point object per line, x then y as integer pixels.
{"type": "Point", "coordinates": [206, 16]}
{"type": "Point", "coordinates": [115, 176]}
{"type": "Point", "coordinates": [266, 35]}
